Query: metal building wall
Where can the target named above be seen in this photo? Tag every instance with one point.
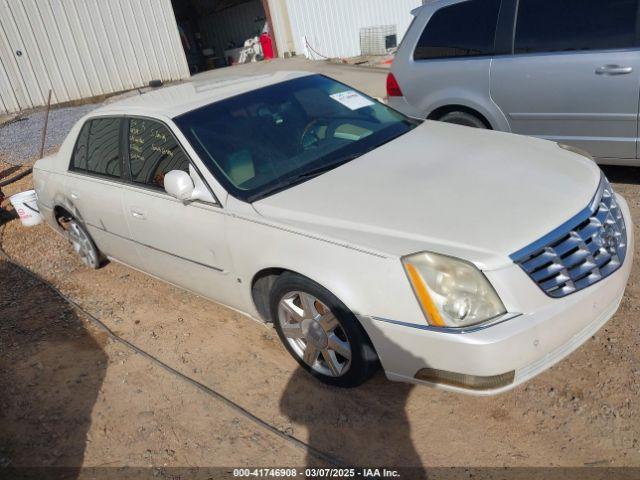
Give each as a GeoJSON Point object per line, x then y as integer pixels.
{"type": "Point", "coordinates": [332, 27]}
{"type": "Point", "coordinates": [84, 48]}
{"type": "Point", "coordinates": [282, 27]}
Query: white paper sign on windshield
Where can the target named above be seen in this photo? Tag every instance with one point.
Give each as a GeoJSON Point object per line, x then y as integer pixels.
{"type": "Point", "coordinates": [352, 100]}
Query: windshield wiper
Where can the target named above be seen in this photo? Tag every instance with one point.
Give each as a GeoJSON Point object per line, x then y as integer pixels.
{"type": "Point", "coordinates": [309, 174]}
{"type": "Point", "coordinates": [288, 182]}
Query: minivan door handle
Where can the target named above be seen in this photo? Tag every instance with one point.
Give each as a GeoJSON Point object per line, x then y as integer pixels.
{"type": "Point", "coordinates": [613, 70]}
{"type": "Point", "coordinates": [138, 214]}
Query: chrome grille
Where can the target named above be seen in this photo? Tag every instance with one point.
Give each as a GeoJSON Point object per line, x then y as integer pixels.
{"type": "Point", "coordinates": [583, 251]}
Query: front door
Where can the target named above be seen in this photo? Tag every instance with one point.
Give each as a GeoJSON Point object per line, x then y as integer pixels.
{"type": "Point", "coordinates": [574, 77]}
{"type": "Point", "coordinates": [184, 244]}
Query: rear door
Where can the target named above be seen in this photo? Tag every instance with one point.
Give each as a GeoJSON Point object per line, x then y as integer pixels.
{"type": "Point", "coordinates": [182, 243]}
{"type": "Point", "coordinates": [94, 186]}
{"type": "Point", "coordinates": [574, 76]}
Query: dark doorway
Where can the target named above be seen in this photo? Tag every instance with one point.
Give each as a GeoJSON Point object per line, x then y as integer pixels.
{"type": "Point", "coordinates": [220, 33]}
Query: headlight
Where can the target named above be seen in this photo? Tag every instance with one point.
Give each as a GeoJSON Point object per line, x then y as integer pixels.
{"type": "Point", "coordinates": [452, 292]}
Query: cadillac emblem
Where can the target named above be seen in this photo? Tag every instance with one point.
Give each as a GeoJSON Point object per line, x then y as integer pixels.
{"type": "Point", "coordinates": [609, 240]}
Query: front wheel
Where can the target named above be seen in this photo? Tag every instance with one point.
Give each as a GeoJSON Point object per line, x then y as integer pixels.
{"type": "Point", "coordinates": [321, 333]}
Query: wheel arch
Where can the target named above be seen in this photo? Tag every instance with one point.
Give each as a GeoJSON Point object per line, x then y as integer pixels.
{"type": "Point", "coordinates": [482, 105]}
{"type": "Point", "coordinates": [261, 285]}
{"type": "Point", "coordinates": [62, 214]}
{"type": "Point", "coordinates": [440, 112]}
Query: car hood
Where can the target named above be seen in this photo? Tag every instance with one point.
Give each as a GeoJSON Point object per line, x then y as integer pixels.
{"type": "Point", "coordinates": [473, 194]}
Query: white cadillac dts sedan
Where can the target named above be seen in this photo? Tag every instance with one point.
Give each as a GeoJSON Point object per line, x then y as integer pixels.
{"type": "Point", "coordinates": [454, 257]}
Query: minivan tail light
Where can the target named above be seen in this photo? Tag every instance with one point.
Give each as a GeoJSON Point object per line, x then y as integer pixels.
{"type": "Point", "coordinates": [393, 88]}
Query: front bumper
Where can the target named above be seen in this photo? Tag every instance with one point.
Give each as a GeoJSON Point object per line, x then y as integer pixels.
{"type": "Point", "coordinates": [526, 344]}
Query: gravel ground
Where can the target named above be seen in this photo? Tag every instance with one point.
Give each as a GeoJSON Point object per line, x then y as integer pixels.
{"type": "Point", "coordinates": [20, 139]}
{"type": "Point", "coordinates": [581, 413]}
{"type": "Point", "coordinates": [74, 398]}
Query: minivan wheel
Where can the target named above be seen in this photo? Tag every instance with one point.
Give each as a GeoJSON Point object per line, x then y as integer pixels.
{"type": "Point", "coordinates": [463, 118]}
{"type": "Point", "coordinates": [82, 244]}
{"type": "Point", "coordinates": [321, 333]}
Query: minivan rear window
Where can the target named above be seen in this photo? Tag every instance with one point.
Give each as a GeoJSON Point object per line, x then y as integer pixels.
{"type": "Point", "coordinates": [465, 29]}
{"type": "Point", "coordinates": [575, 25]}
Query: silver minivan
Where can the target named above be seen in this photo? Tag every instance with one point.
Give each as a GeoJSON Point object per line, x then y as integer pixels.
{"type": "Point", "coordinates": [563, 70]}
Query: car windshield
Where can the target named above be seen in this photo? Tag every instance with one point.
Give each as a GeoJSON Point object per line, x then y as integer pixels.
{"type": "Point", "coordinates": [270, 139]}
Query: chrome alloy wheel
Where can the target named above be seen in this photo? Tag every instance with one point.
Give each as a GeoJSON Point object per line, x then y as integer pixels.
{"type": "Point", "coordinates": [82, 244]}
{"type": "Point", "coordinates": [314, 333]}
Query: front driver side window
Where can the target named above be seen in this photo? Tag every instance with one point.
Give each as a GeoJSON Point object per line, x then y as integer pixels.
{"type": "Point", "coordinates": [153, 152]}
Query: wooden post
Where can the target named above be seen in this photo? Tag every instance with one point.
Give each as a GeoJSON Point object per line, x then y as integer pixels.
{"type": "Point", "coordinates": [46, 124]}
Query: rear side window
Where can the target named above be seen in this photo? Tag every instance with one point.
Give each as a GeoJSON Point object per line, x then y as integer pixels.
{"type": "Point", "coordinates": [465, 29]}
{"type": "Point", "coordinates": [573, 25]}
{"type": "Point", "coordinates": [79, 159]}
{"type": "Point", "coordinates": [97, 149]}
{"type": "Point", "coordinates": [153, 152]}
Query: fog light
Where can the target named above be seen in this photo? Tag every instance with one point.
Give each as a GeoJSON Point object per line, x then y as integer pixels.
{"type": "Point", "coordinates": [462, 380]}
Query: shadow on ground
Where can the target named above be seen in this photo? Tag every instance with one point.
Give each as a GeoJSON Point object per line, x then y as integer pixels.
{"type": "Point", "coordinates": [51, 370]}
{"type": "Point", "coordinates": [6, 215]}
{"type": "Point", "coordinates": [349, 427]}
{"type": "Point", "coordinates": [626, 175]}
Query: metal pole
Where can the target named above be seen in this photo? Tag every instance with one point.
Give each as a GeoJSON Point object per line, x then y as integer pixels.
{"type": "Point", "coordinates": [46, 123]}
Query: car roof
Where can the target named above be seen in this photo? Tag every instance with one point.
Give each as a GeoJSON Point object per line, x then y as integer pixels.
{"type": "Point", "coordinates": [195, 93]}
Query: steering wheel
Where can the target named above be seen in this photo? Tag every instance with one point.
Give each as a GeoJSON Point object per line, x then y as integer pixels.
{"type": "Point", "coordinates": [332, 125]}
{"type": "Point", "coordinates": [307, 132]}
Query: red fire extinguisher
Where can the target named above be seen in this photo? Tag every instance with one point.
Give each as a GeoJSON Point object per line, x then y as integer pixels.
{"type": "Point", "coordinates": [267, 46]}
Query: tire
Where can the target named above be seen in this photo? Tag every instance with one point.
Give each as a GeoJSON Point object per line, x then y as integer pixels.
{"type": "Point", "coordinates": [321, 333]}
{"type": "Point", "coordinates": [463, 118]}
{"type": "Point", "coordinates": [83, 244]}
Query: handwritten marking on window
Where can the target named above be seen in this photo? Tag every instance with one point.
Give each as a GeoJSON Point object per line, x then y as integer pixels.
{"type": "Point", "coordinates": [162, 150]}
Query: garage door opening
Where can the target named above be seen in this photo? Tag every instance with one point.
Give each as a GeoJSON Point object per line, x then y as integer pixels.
{"type": "Point", "coordinates": [220, 33]}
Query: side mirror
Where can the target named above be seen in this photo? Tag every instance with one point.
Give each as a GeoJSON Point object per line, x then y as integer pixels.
{"type": "Point", "coordinates": [178, 184]}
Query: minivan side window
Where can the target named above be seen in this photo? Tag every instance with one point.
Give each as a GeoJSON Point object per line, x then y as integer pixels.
{"type": "Point", "coordinates": [575, 25]}
{"type": "Point", "coordinates": [153, 152]}
{"type": "Point", "coordinates": [465, 29]}
{"type": "Point", "coordinates": [97, 149]}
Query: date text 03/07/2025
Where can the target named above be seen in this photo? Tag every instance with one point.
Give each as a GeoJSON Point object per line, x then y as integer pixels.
{"type": "Point", "coordinates": [316, 473]}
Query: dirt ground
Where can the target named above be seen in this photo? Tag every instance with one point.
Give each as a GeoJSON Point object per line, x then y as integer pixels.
{"type": "Point", "coordinates": [73, 396]}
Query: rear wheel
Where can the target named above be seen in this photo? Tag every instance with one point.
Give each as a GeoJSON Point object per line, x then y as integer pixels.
{"type": "Point", "coordinates": [463, 118]}
{"type": "Point", "coordinates": [82, 244]}
{"type": "Point", "coordinates": [321, 333]}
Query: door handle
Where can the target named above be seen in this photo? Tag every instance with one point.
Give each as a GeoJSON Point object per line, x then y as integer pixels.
{"type": "Point", "coordinates": [138, 214]}
{"type": "Point", "coordinates": [74, 196]}
{"type": "Point", "coordinates": [613, 70]}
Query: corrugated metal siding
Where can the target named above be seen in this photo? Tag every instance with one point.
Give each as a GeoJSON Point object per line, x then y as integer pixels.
{"type": "Point", "coordinates": [84, 48]}
{"type": "Point", "coordinates": [332, 27]}
{"type": "Point", "coordinates": [235, 24]}
{"type": "Point", "coordinates": [281, 26]}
